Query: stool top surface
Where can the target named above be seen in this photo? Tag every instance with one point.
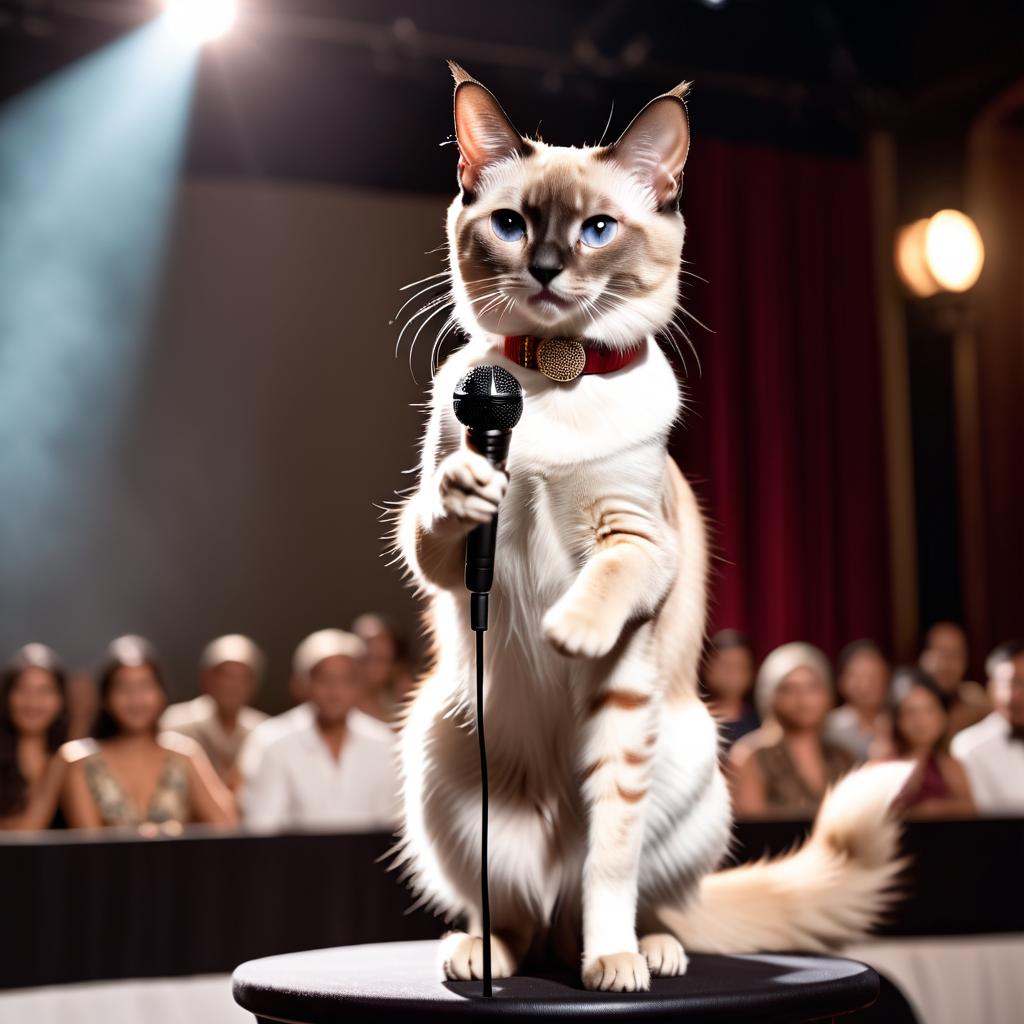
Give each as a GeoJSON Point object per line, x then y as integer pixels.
{"type": "Point", "coordinates": [402, 981]}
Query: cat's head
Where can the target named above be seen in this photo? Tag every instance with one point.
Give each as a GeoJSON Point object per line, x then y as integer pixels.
{"type": "Point", "coordinates": [565, 240]}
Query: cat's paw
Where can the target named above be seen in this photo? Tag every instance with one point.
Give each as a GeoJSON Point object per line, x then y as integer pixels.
{"type": "Point", "coordinates": [468, 489]}
{"type": "Point", "coordinates": [462, 957]}
{"type": "Point", "coordinates": [617, 972]}
{"type": "Point", "coordinates": [664, 954]}
{"type": "Point", "coordinates": [577, 633]}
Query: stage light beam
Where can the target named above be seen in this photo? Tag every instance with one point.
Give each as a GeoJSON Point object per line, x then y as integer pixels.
{"type": "Point", "coordinates": [201, 21]}
{"type": "Point", "coordinates": [90, 160]}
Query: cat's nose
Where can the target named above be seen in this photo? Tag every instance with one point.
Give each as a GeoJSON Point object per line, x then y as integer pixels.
{"type": "Point", "coordinates": [546, 264]}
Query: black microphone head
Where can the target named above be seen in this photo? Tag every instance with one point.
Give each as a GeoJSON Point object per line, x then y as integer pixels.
{"type": "Point", "coordinates": [488, 398]}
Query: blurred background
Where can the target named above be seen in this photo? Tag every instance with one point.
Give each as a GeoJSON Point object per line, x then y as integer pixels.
{"type": "Point", "coordinates": [210, 217]}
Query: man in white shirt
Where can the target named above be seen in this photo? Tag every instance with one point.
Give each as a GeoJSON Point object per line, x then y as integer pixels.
{"type": "Point", "coordinates": [220, 719]}
{"type": "Point", "coordinates": [993, 750]}
{"type": "Point", "coordinates": [334, 767]}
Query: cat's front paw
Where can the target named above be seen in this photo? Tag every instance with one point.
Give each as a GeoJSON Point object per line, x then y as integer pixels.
{"type": "Point", "coordinates": [577, 632]}
{"type": "Point", "coordinates": [468, 490]}
{"type": "Point", "coordinates": [617, 972]}
{"type": "Point", "coordinates": [462, 957]}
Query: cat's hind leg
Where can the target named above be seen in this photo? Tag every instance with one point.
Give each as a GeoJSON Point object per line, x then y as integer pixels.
{"type": "Point", "coordinates": [664, 955]}
{"type": "Point", "coordinates": [619, 735]}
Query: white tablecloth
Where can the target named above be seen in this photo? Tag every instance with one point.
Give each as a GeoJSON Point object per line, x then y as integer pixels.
{"type": "Point", "coordinates": [959, 979]}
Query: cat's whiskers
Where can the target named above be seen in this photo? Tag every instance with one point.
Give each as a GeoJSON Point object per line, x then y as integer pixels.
{"type": "Point", "coordinates": [442, 300]}
{"type": "Point", "coordinates": [616, 300]}
{"type": "Point", "coordinates": [678, 325]}
{"type": "Point", "coordinates": [510, 301]}
{"type": "Point", "coordinates": [438, 284]}
{"type": "Point", "coordinates": [446, 327]}
{"type": "Point", "coordinates": [471, 288]}
{"type": "Point", "coordinates": [589, 308]}
{"type": "Point", "coordinates": [416, 295]}
{"type": "Point", "coordinates": [427, 319]}
{"type": "Point", "coordinates": [429, 277]}
{"type": "Point", "coordinates": [412, 344]}
{"type": "Point", "coordinates": [446, 299]}
{"type": "Point", "coordinates": [452, 322]}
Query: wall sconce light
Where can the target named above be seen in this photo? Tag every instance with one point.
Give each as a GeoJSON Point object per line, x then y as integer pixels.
{"type": "Point", "coordinates": [941, 253]}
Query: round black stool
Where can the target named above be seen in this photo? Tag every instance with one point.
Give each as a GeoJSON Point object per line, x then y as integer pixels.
{"type": "Point", "coordinates": [399, 981]}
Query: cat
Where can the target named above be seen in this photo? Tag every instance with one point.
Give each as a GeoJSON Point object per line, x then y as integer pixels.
{"type": "Point", "coordinates": [609, 811]}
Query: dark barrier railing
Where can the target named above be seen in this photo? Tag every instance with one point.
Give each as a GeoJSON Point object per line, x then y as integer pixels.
{"type": "Point", "coordinates": [79, 907]}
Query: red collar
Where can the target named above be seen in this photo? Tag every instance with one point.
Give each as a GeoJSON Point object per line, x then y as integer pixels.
{"type": "Point", "coordinates": [565, 359]}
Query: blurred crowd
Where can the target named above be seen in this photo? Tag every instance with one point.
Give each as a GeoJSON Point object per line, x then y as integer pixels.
{"type": "Point", "coordinates": [107, 750]}
{"type": "Point", "coordinates": [792, 726]}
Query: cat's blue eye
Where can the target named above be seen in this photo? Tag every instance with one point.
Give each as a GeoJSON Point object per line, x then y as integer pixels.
{"type": "Point", "coordinates": [598, 231]}
{"type": "Point", "coordinates": [508, 225]}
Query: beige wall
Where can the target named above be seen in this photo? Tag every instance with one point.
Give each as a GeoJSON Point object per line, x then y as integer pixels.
{"type": "Point", "coordinates": [267, 416]}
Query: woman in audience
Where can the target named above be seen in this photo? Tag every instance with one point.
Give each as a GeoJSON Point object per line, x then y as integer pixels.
{"type": "Point", "coordinates": [861, 724]}
{"type": "Point", "coordinates": [33, 725]}
{"type": "Point", "coordinates": [130, 776]}
{"type": "Point", "coordinates": [386, 668]}
{"type": "Point", "coordinates": [787, 775]}
{"type": "Point", "coordinates": [728, 680]}
{"type": "Point", "coordinates": [939, 787]}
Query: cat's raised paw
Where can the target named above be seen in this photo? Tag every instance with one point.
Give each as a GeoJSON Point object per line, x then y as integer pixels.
{"type": "Point", "coordinates": [617, 972]}
{"type": "Point", "coordinates": [664, 955]}
{"type": "Point", "coordinates": [577, 634]}
{"type": "Point", "coordinates": [462, 957]}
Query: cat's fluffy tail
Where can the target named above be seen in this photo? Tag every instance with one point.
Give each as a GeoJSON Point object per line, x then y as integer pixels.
{"type": "Point", "coordinates": [831, 890]}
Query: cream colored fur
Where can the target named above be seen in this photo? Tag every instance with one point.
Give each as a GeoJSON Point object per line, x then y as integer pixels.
{"type": "Point", "coordinates": [608, 807]}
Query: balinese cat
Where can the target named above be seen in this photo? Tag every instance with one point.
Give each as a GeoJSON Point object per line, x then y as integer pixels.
{"type": "Point", "coordinates": [609, 812]}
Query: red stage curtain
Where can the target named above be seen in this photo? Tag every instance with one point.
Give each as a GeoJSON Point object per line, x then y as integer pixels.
{"type": "Point", "coordinates": [783, 435]}
{"type": "Point", "coordinates": [996, 169]}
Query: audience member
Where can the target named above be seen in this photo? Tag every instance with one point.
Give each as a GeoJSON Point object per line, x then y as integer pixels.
{"type": "Point", "coordinates": [939, 787]}
{"type": "Point", "coordinates": [992, 751]}
{"type": "Point", "coordinates": [219, 719]}
{"type": "Point", "coordinates": [33, 725]}
{"type": "Point", "coordinates": [788, 773]}
{"type": "Point", "coordinates": [299, 715]}
{"type": "Point", "coordinates": [389, 675]}
{"type": "Point", "coordinates": [129, 774]}
{"type": "Point", "coordinates": [728, 681]}
{"type": "Point", "coordinates": [861, 725]}
{"type": "Point", "coordinates": [944, 658]}
{"type": "Point", "coordinates": [336, 770]}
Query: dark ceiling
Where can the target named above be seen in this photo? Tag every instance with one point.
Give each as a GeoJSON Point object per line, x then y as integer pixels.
{"type": "Point", "coordinates": [357, 90]}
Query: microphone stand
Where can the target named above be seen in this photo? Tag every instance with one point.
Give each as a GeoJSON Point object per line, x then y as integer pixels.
{"type": "Point", "coordinates": [479, 573]}
{"type": "Point", "coordinates": [479, 601]}
{"type": "Point", "coordinates": [488, 401]}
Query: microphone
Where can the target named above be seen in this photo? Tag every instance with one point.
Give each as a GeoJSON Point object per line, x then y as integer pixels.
{"type": "Point", "coordinates": [488, 401]}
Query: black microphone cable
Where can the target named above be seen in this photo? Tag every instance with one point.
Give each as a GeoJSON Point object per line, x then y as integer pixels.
{"type": "Point", "coordinates": [485, 898]}
{"type": "Point", "coordinates": [488, 401]}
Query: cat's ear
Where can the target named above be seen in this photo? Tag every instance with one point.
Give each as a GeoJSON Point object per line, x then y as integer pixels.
{"type": "Point", "coordinates": [482, 129]}
{"type": "Point", "coordinates": [655, 143]}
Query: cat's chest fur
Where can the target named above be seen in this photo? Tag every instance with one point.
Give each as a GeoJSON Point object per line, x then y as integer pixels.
{"type": "Point", "coordinates": [551, 516]}
{"type": "Point", "coordinates": [575, 445]}
{"type": "Point", "coordinates": [579, 452]}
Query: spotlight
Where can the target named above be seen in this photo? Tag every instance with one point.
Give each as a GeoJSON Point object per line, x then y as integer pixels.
{"type": "Point", "coordinates": [201, 20]}
{"type": "Point", "coordinates": [943, 252]}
